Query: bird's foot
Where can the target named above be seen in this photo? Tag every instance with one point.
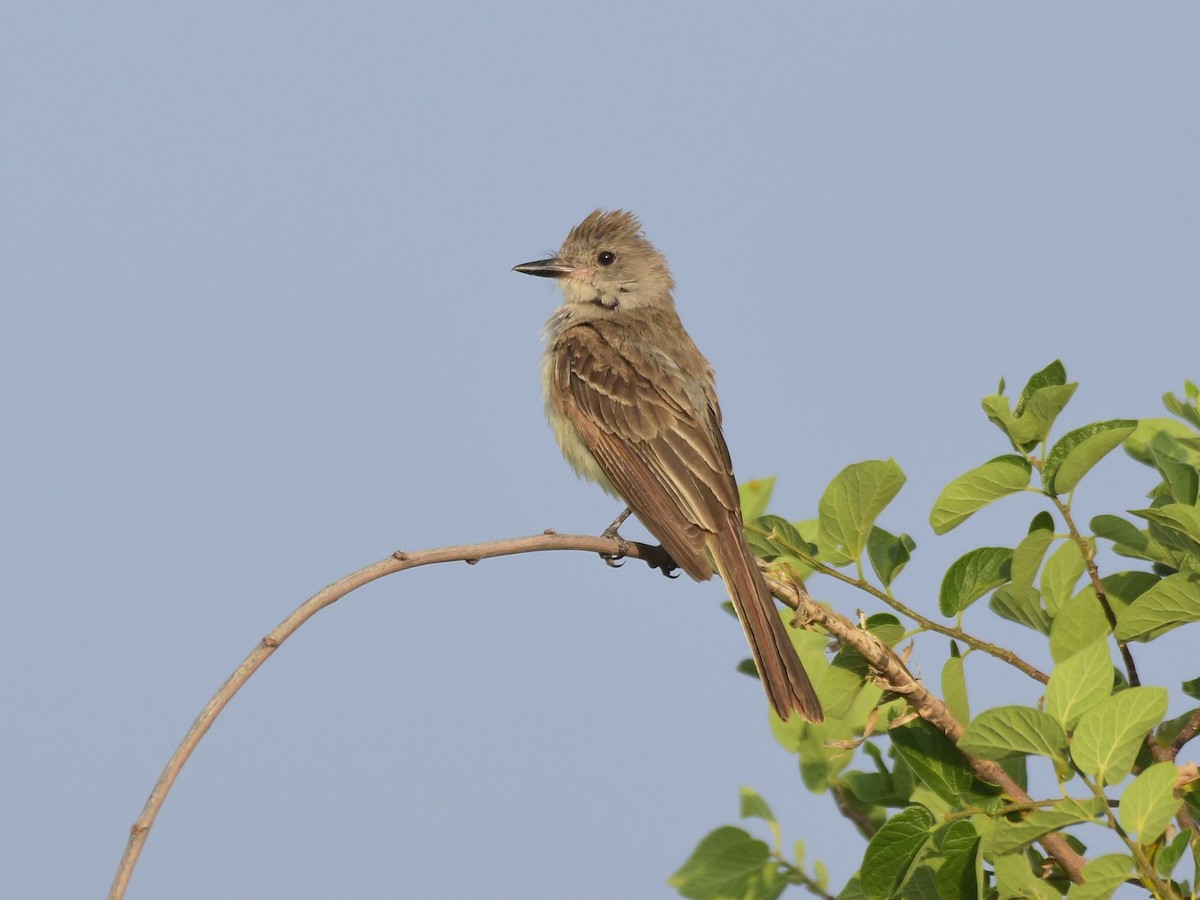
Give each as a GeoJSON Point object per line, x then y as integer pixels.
{"type": "Point", "coordinates": [612, 532]}
{"type": "Point", "coordinates": [654, 557]}
{"type": "Point", "coordinates": [662, 561]}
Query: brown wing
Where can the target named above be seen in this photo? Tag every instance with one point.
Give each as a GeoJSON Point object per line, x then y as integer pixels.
{"type": "Point", "coordinates": [667, 458]}
{"type": "Point", "coordinates": [661, 447]}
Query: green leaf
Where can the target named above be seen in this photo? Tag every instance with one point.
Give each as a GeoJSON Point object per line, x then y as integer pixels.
{"type": "Point", "coordinates": [971, 576]}
{"type": "Point", "coordinates": [999, 412]}
{"type": "Point", "coordinates": [1149, 803]}
{"type": "Point", "coordinates": [1108, 736]}
{"type": "Point", "coordinates": [773, 536]}
{"type": "Point", "coordinates": [1035, 421]}
{"type": "Point", "coordinates": [1158, 435]}
{"type": "Point", "coordinates": [888, 553]}
{"type": "Point", "coordinates": [1043, 521]}
{"type": "Point", "coordinates": [727, 863]}
{"type": "Point", "coordinates": [1014, 731]}
{"type": "Point", "coordinates": [1102, 876]}
{"type": "Point", "coordinates": [873, 789]}
{"type": "Point", "coordinates": [1128, 539]}
{"type": "Point", "coordinates": [868, 793]}
{"type": "Point", "coordinates": [921, 883]}
{"type": "Point", "coordinates": [892, 851]}
{"type": "Point", "coordinates": [1021, 605]}
{"type": "Point", "coordinates": [970, 492]}
{"type": "Point", "coordinates": [1010, 836]}
{"type": "Point", "coordinates": [784, 544]}
{"type": "Point", "coordinates": [886, 627]}
{"type": "Point", "coordinates": [960, 851]}
{"type": "Point", "coordinates": [849, 506]}
{"type": "Point", "coordinates": [853, 889]}
{"type": "Point", "coordinates": [1043, 398]}
{"type": "Point", "coordinates": [1191, 688]}
{"type": "Point", "coordinates": [844, 681]}
{"type": "Point", "coordinates": [1079, 623]}
{"type": "Point", "coordinates": [1028, 555]}
{"type": "Point", "coordinates": [1060, 575]}
{"type": "Point", "coordinates": [954, 689]}
{"type": "Point", "coordinates": [1173, 601]}
{"type": "Point", "coordinates": [1185, 520]}
{"type": "Point", "coordinates": [1186, 408]}
{"type": "Point", "coordinates": [755, 807]}
{"type": "Point", "coordinates": [1180, 477]}
{"type": "Point", "coordinates": [1170, 855]}
{"type": "Point", "coordinates": [935, 761]}
{"type": "Point", "coordinates": [1015, 878]}
{"type": "Point", "coordinates": [755, 495]}
{"type": "Point", "coordinates": [1080, 683]}
{"type": "Point", "coordinates": [1077, 451]}
{"type": "Point", "coordinates": [1054, 375]}
{"type": "Point", "coordinates": [1169, 729]}
{"type": "Point", "coordinates": [1122, 588]}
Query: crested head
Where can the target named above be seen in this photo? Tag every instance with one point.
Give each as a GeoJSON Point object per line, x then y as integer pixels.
{"type": "Point", "coordinates": [607, 261]}
{"type": "Point", "coordinates": [606, 226]}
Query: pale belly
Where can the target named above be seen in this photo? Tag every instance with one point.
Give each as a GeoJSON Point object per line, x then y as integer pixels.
{"type": "Point", "coordinates": [573, 448]}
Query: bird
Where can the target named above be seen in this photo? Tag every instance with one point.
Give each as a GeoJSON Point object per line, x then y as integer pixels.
{"type": "Point", "coordinates": [633, 405]}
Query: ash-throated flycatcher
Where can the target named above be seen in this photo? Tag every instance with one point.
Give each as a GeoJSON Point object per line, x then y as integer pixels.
{"type": "Point", "coordinates": [634, 407]}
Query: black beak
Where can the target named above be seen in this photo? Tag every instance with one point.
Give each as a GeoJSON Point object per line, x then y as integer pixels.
{"type": "Point", "coordinates": [545, 268]}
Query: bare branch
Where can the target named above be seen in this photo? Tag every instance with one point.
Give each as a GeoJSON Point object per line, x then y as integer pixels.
{"type": "Point", "coordinates": [654, 556]}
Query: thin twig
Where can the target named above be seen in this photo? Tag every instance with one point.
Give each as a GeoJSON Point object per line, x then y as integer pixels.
{"type": "Point", "coordinates": [860, 820]}
{"type": "Point", "coordinates": [656, 557]}
{"type": "Point", "coordinates": [802, 878]}
{"type": "Point", "coordinates": [1089, 561]}
{"type": "Point", "coordinates": [1186, 733]}
{"type": "Point", "coordinates": [928, 624]}
{"type": "Point", "coordinates": [1148, 877]}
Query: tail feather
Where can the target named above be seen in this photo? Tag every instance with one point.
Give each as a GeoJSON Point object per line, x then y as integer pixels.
{"type": "Point", "coordinates": [787, 684]}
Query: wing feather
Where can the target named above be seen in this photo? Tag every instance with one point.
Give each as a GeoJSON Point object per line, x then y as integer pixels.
{"type": "Point", "coordinates": [667, 458]}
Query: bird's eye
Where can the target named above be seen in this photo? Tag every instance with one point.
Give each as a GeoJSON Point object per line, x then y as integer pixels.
{"type": "Point", "coordinates": [606, 258]}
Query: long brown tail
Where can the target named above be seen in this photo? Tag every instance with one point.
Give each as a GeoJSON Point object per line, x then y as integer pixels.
{"type": "Point", "coordinates": [787, 684]}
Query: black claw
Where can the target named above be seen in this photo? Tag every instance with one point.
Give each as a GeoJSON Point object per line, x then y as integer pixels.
{"type": "Point", "coordinates": [666, 566]}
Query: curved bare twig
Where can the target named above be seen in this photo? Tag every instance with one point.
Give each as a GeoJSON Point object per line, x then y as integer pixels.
{"type": "Point", "coordinates": [397, 562]}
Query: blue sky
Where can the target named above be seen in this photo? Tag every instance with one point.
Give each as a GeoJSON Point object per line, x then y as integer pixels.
{"type": "Point", "coordinates": [259, 329]}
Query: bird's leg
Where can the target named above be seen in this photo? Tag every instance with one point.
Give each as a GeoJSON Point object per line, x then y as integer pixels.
{"type": "Point", "coordinates": [613, 532]}
{"type": "Point", "coordinates": [658, 559]}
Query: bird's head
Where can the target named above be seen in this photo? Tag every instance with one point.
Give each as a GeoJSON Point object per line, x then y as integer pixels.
{"type": "Point", "coordinates": [606, 260]}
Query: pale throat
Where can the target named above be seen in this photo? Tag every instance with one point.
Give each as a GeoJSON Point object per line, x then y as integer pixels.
{"type": "Point", "coordinates": [580, 288]}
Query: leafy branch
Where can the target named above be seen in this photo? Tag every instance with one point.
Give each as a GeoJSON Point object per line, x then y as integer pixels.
{"type": "Point", "coordinates": [966, 824]}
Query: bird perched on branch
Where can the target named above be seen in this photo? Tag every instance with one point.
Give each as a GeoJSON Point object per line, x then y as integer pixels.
{"type": "Point", "coordinates": [634, 408]}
